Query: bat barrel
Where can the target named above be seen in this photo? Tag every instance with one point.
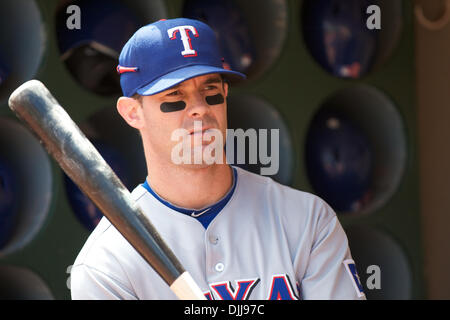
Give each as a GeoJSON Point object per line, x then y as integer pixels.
{"type": "Point", "coordinates": [38, 109]}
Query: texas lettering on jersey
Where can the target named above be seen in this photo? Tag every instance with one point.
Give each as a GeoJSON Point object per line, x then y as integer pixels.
{"type": "Point", "coordinates": [280, 289]}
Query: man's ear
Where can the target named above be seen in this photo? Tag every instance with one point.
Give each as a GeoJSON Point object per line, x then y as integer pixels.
{"type": "Point", "coordinates": [130, 110]}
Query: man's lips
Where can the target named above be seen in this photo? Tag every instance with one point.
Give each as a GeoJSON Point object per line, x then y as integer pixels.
{"type": "Point", "coordinates": [193, 131]}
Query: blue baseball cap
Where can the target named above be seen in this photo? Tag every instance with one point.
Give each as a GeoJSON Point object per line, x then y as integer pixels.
{"type": "Point", "coordinates": [165, 53]}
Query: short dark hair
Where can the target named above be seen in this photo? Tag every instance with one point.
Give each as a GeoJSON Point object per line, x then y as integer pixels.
{"type": "Point", "coordinates": [137, 97]}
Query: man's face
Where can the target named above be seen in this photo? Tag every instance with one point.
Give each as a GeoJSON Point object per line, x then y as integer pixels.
{"type": "Point", "coordinates": [183, 107]}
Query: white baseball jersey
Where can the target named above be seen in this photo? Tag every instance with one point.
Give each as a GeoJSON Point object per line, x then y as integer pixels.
{"type": "Point", "coordinates": [269, 242]}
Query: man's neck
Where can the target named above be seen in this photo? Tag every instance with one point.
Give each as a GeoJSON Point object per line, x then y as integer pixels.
{"type": "Point", "coordinates": [190, 187]}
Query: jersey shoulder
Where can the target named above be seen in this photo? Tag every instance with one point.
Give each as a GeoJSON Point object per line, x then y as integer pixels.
{"type": "Point", "coordinates": [106, 251]}
{"type": "Point", "coordinates": [290, 203]}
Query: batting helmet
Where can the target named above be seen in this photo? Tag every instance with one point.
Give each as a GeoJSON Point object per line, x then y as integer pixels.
{"type": "Point", "coordinates": [91, 51]}
{"type": "Point", "coordinates": [8, 201]}
{"type": "Point", "coordinates": [335, 33]}
{"type": "Point", "coordinates": [339, 160]}
{"type": "Point", "coordinates": [4, 71]}
{"type": "Point", "coordinates": [232, 32]}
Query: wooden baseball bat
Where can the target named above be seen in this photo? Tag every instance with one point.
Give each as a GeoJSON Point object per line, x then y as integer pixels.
{"type": "Point", "coordinates": [33, 103]}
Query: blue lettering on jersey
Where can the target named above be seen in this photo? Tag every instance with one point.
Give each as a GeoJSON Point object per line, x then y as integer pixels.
{"type": "Point", "coordinates": [281, 288]}
{"type": "Point", "coordinates": [208, 295]}
{"type": "Point", "coordinates": [350, 266]}
{"type": "Point", "coordinates": [226, 292]}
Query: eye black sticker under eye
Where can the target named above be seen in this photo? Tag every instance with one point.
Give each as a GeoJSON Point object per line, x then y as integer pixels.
{"type": "Point", "coordinates": [217, 99]}
{"type": "Point", "coordinates": [173, 106]}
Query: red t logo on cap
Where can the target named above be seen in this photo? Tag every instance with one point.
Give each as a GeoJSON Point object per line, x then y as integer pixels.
{"type": "Point", "coordinates": [185, 39]}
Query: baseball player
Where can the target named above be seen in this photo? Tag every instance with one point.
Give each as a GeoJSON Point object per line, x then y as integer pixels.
{"type": "Point", "coordinates": [240, 235]}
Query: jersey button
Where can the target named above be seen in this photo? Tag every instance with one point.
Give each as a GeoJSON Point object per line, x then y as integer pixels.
{"type": "Point", "coordinates": [213, 239]}
{"type": "Point", "coordinates": [219, 267]}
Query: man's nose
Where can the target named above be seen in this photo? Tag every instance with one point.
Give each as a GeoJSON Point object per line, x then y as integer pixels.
{"type": "Point", "coordinates": [197, 106]}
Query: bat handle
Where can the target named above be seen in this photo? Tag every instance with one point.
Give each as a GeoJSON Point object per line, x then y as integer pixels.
{"type": "Point", "coordinates": [185, 288]}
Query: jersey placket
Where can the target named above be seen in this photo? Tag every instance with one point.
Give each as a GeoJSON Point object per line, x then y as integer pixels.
{"type": "Point", "coordinates": [216, 263]}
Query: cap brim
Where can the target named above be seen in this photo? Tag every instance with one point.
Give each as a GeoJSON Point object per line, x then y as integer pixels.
{"type": "Point", "coordinates": [175, 77]}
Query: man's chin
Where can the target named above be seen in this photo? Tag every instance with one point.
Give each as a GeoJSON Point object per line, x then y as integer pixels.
{"type": "Point", "coordinates": [196, 166]}
{"type": "Point", "coordinates": [200, 155]}
{"type": "Point", "coordinates": [202, 161]}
